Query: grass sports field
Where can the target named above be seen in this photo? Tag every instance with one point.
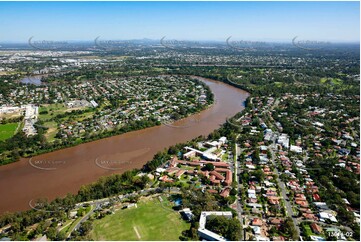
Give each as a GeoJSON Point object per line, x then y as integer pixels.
{"type": "Point", "coordinates": [149, 221]}
{"type": "Point", "coordinates": [7, 130]}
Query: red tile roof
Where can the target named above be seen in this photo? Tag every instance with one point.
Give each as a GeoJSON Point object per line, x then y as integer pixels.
{"type": "Point", "coordinates": [316, 228]}
{"type": "Point", "coordinates": [316, 197]}
{"type": "Point", "coordinates": [225, 192]}
{"type": "Point", "coordinates": [217, 175]}
{"type": "Point", "coordinates": [275, 221]}
{"type": "Point", "coordinates": [257, 222]}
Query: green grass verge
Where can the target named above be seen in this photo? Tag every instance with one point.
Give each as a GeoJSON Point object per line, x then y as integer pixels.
{"type": "Point", "coordinates": [7, 130]}
{"type": "Point", "coordinates": [308, 230]}
{"type": "Point", "coordinates": [149, 221]}
{"type": "Point", "coordinates": [278, 84]}
{"type": "Point", "coordinates": [75, 222]}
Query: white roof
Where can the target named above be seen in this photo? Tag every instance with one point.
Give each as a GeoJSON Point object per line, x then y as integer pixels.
{"type": "Point", "coordinates": [295, 148]}
{"type": "Point", "coordinates": [211, 234]}
{"type": "Point", "coordinates": [320, 204]}
{"type": "Point", "coordinates": [203, 220]}
{"type": "Point", "coordinates": [250, 166]}
{"type": "Point", "coordinates": [160, 170]}
{"type": "Point", "coordinates": [223, 139]}
{"type": "Point", "coordinates": [256, 230]}
{"type": "Point", "coordinates": [324, 215]}
{"type": "Point", "coordinates": [254, 205]}
{"type": "Point", "coordinates": [261, 238]}
{"type": "Point", "coordinates": [210, 156]}
{"type": "Point", "coordinates": [317, 238]}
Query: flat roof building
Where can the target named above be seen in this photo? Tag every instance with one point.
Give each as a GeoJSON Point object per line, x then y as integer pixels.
{"type": "Point", "coordinates": [207, 234]}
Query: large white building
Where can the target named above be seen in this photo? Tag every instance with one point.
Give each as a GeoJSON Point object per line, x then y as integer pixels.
{"type": "Point", "coordinates": [284, 140]}
{"type": "Point", "coordinates": [31, 116]}
{"type": "Point", "coordinates": [296, 149]}
{"type": "Point", "coordinates": [6, 109]}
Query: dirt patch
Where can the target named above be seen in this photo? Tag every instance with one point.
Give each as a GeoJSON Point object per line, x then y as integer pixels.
{"type": "Point", "coordinates": [49, 132]}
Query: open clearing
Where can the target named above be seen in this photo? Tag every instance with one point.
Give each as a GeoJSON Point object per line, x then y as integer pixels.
{"type": "Point", "coordinates": [331, 81]}
{"type": "Point", "coordinates": [52, 130]}
{"type": "Point", "coordinates": [52, 110]}
{"type": "Point", "coordinates": [149, 221]}
{"type": "Point", "coordinates": [7, 130]}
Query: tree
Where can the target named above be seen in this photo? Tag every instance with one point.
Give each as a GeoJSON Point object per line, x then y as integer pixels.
{"type": "Point", "coordinates": [289, 228]}
{"type": "Point", "coordinates": [233, 192]}
{"type": "Point", "coordinates": [209, 167]}
{"type": "Point", "coordinates": [61, 236]}
{"type": "Point", "coordinates": [227, 227]}
{"type": "Point", "coordinates": [51, 233]}
{"type": "Point", "coordinates": [259, 174]}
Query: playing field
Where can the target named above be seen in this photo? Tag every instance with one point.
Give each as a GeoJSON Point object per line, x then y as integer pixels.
{"type": "Point", "coordinates": [149, 221]}
{"type": "Point", "coordinates": [7, 130]}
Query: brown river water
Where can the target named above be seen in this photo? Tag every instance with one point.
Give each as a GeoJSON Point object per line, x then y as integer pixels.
{"type": "Point", "coordinates": [64, 171]}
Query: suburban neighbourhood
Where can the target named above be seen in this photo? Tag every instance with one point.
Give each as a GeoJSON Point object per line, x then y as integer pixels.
{"type": "Point", "coordinates": [172, 121]}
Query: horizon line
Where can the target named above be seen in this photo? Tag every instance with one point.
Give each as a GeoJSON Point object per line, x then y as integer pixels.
{"type": "Point", "coordinates": [195, 41]}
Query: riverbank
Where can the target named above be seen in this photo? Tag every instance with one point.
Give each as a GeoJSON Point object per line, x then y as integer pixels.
{"type": "Point", "coordinates": [68, 169]}
{"type": "Point", "coordinates": [51, 134]}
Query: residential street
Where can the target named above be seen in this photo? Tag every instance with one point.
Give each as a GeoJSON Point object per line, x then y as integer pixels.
{"type": "Point", "coordinates": [282, 187]}
{"type": "Point", "coordinates": [239, 205]}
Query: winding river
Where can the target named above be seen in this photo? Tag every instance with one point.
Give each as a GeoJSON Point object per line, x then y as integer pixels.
{"type": "Point", "coordinates": [65, 171]}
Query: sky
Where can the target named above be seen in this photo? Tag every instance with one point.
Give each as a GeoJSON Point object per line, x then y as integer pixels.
{"type": "Point", "coordinates": [257, 21]}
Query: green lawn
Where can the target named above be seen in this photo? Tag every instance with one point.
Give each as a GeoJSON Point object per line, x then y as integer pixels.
{"type": "Point", "coordinates": [66, 224]}
{"type": "Point", "coordinates": [52, 130]}
{"type": "Point", "coordinates": [7, 130]}
{"type": "Point", "coordinates": [149, 221]}
{"type": "Point", "coordinates": [60, 108]}
{"type": "Point", "coordinates": [332, 81]}
{"type": "Point", "coordinates": [52, 109]}
{"type": "Point", "coordinates": [225, 156]}
{"type": "Point", "coordinates": [308, 230]}
{"type": "Point", "coordinates": [184, 167]}
{"type": "Point", "coordinates": [75, 222]}
{"type": "Point", "coordinates": [85, 116]}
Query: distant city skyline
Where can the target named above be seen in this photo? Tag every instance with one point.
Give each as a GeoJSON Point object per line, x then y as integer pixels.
{"type": "Point", "coordinates": [202, 21]}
